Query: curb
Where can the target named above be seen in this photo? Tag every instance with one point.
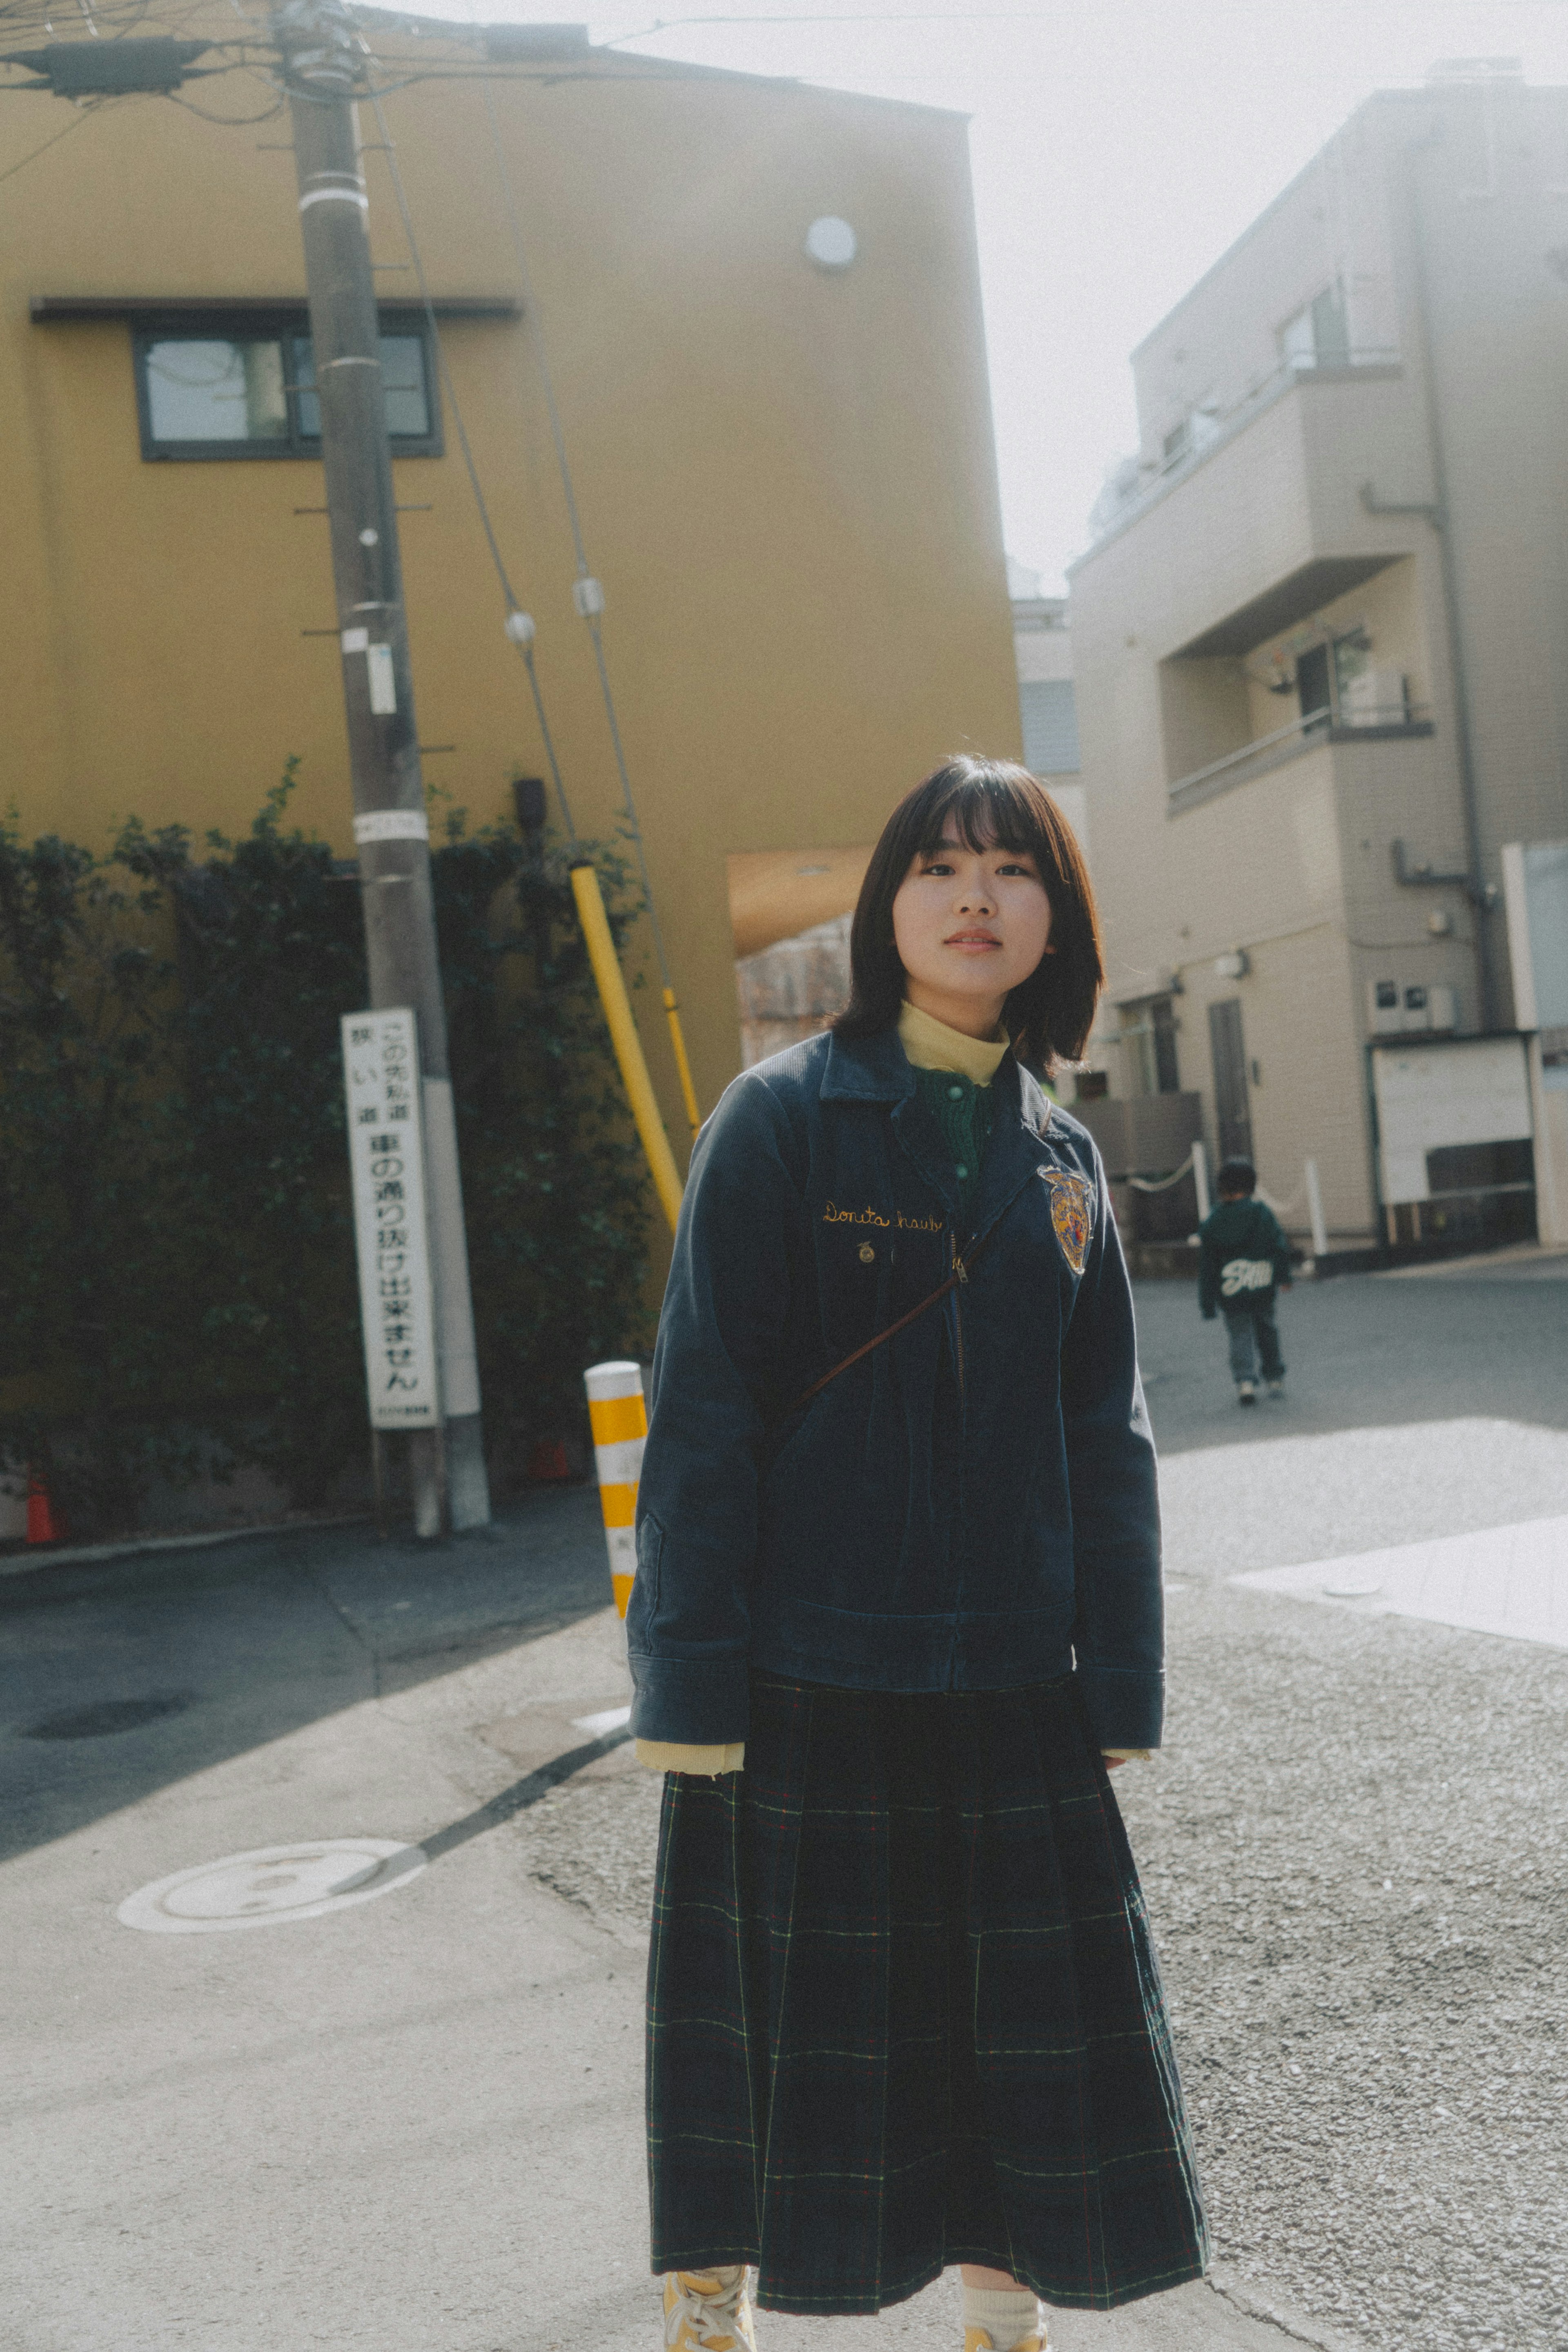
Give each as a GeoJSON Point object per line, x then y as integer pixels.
{"type": "Point", "coordinates": [43, 1556]}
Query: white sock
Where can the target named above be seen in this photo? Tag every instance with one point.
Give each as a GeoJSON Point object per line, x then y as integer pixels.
{"type": "Point", "coordinates": [1008, 2314]}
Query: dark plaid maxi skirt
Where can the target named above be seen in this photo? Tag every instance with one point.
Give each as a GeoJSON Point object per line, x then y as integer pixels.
{"type": "Point", "coordinates": [905, 2011]}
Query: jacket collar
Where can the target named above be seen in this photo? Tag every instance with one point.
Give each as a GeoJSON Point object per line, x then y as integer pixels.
{"type": "Point", "coordinates": [876, 1069]}
{"type": "Point", "coordinates": [867, 1069]}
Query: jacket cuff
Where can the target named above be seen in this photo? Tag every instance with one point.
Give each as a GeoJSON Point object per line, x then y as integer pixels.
{"type": "Point", "coordinates": [1125, 1705]}
{"type": "Point", "coordinates": [690, 1702]}
{"type": "Point", "coordinates": [708, 1763]}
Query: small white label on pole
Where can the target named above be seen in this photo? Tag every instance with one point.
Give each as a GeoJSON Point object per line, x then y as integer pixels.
{"type": "Point", "coordinates": [383, 684]}
{"type": "Point", "coordinates": [392, 824]}
{"type": "Point", "coordinates": [386, 1160]}
{"type": "Point", "coordinates": [356, 641]}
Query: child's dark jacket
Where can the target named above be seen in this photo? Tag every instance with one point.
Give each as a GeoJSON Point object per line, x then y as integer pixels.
{"type": "Point", "coordinates": [973, 1505]}
{"type": "Point", "coordinates": [1243, 1255]}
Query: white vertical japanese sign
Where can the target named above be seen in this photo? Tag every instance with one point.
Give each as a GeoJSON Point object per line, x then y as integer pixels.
{"type": "Point", "coordinates": [386, 1160]}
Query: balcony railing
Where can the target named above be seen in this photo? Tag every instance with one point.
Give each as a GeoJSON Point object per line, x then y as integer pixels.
{"type": "Point", "coordinates": [1304, 734]}
{"type": "Point", "coordinates": [1210, 428]}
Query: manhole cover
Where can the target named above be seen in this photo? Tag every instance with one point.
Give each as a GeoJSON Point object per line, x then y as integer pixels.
{"type": "Point", "coordinates": [274, 1883]}
{"type": "Point", "coordinates": [108, 1715]}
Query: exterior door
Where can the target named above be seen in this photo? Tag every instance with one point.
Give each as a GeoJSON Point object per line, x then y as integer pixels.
{"type": "Point", "coordinates": [1232, 1109]}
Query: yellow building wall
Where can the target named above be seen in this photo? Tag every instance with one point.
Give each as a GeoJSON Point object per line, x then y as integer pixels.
{"type": "Point", "coordinates": [786, 479]}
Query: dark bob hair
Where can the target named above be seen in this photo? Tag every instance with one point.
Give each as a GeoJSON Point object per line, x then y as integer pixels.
{"type": "Point", "coordinates": [994, 805]}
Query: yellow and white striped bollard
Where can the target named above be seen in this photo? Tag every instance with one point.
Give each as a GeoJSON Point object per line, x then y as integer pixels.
{"type": "Point", "coordinates": [620, 1423]}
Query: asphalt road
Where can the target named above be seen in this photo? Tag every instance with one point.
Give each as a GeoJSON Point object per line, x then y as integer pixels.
{"type": "Point", "coordinates": [415, 2122]}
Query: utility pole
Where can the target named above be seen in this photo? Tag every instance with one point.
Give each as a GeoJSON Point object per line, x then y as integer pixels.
{"type": "Point", "coordinates": [321, 70]}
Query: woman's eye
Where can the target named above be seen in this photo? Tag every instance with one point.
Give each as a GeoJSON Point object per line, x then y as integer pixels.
{"type": "Point", "coordinates": [936, 867]}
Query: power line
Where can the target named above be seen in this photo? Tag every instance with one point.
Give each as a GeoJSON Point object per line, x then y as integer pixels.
{"type": "Point", "coordinates": [23, 161]}
{"type": "Point", "coordinates": [878, 17]}
{"type": "Point", "coordinates": [522, 639]}
{"type": "Point", "coordinates": [585, 571]}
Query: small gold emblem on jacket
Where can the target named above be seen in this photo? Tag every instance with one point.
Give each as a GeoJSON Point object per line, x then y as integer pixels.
{"type": "Point", "coordinates": [1071, 1214]}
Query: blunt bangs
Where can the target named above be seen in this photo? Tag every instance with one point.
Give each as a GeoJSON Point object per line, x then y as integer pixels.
{"type": "Point", "coordinates": [992, 804]}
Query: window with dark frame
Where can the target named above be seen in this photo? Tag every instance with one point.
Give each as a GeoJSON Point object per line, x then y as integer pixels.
{"type": "Point", "coordinates": [1150, 1028]}
{"type": "Point", "coordinates": [245, 387]}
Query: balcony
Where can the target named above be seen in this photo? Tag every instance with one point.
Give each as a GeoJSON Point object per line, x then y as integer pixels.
{"type": "Point", "coordinates": [1406, 722]}
{"type": "Point", "coordinates": [1137, 485]}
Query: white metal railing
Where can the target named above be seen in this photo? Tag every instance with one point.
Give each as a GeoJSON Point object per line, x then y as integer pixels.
{"type": "Point", "coordinates": [1311, 719]}
{"type": "Point", "coordinates": [1313, 722]}
{"type": "Point", "coordinates": [1308, 1192]}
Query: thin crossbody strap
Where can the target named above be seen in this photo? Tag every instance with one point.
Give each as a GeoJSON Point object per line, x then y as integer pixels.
{"type": "Point", "coordinates": [960, 1274]}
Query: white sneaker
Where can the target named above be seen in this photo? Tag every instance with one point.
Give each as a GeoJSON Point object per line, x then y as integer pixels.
{"type": "Point", "coordinates": [708, 2311]}
{"type": "Point", "coordinates": [1276, 1388]}
{"type": "Point", "coordinates": [1246, 1393]}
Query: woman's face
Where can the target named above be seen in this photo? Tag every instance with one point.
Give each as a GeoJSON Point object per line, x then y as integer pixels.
{"type": "Point", "coordinates": [970, 925]}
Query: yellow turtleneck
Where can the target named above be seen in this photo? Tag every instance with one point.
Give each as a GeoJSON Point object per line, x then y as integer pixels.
{"type": "Point", "coordinates": [929, 1045]}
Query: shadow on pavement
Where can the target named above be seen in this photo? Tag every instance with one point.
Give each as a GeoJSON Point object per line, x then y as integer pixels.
{"type": "Point", "coordinates": [118, 1678]}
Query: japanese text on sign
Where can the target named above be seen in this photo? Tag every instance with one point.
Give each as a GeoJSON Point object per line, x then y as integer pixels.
{"type": "Point", "coordinates": [386, 1160]}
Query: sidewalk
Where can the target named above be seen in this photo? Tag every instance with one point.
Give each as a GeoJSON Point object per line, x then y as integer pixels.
{"type": "Point", "coordinates": [414, 2123]}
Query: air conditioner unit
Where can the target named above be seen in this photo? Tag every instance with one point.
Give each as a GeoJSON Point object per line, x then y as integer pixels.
{"type": "Point", "coordinates": [1378, 697]}
{"type": "Point", "coordinates": [1383, 1007]}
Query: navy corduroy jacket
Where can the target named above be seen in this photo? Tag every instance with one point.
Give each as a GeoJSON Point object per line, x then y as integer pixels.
{"type": "Point", "coordinates": [972, 1506]}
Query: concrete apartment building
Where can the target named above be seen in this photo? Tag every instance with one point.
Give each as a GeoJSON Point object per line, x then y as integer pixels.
{"type": "Point", "coordinates": [1320, 645]}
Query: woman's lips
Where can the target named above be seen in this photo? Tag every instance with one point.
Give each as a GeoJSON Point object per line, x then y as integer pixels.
{"type": "Point", "coordinates": [971, 939]}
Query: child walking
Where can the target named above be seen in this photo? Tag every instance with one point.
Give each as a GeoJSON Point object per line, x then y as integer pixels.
{"type": "Point", "coordinates": [898, 1612]}
{"type": "Point", "coordinates": [1243, 1259]}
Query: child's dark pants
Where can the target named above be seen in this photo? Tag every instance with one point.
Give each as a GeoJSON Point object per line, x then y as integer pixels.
{"type": "Point", "coordinates": [1252, 1333]}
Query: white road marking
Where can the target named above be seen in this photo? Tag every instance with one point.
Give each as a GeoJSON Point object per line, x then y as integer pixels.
{"type": "Point", "coordinates": [596, 1726]}
{"type": "Point", "coordinates": [1509, 1580]}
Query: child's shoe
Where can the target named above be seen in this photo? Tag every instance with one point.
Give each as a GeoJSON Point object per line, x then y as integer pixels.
{"type": "Point", "coordinates": [708, 2311]}
{"type": "Point", "coordinates": [1246, 1393]}
{"type": "Point", "coordinates": [977, 2340]}
{"type": "Point", "coordinates": [1276, 1388]}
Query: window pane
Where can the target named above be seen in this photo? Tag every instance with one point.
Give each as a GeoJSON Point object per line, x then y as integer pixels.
{"type": "Point", "coordinates": [302, 373]}
{"type": "Point", "coordinates": [402, 386]}
{"type": "Point", "coordinates": [215, 390]}
{"type": "Point", "coordinates": [402, 379]}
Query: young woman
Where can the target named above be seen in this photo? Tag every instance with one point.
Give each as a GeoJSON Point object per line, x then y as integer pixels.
{"type": "Point", "coordinates": [897, 1609]}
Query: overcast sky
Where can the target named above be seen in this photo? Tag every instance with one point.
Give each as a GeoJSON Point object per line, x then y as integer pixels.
{"type": "Point", "coordinates": [1118, 147]}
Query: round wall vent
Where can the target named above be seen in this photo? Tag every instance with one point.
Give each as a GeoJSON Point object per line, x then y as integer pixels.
{"type": "Point", "coordinates": [830, 243]}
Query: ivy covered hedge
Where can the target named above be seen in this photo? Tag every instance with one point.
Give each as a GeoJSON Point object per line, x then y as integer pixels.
{"type": "Point", "coordinates": [177, 1275]}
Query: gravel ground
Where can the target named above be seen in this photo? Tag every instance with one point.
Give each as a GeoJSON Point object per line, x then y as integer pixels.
{"type": "Point", "coordinates": [1355, 1849]}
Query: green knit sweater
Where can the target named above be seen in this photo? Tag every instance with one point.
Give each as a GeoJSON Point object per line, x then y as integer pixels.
{"type": "Point", "coordinates": [963, 1111]}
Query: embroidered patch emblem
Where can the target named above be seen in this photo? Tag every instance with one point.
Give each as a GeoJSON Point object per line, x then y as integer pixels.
{"type": "Point", "coordinates": [1072, 1213]}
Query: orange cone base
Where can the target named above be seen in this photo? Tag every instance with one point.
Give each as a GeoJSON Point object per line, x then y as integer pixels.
{"type": "Point", "coordinates": [45, 1523]}
{"type": "Point", "coordinates": [548, 1465]}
